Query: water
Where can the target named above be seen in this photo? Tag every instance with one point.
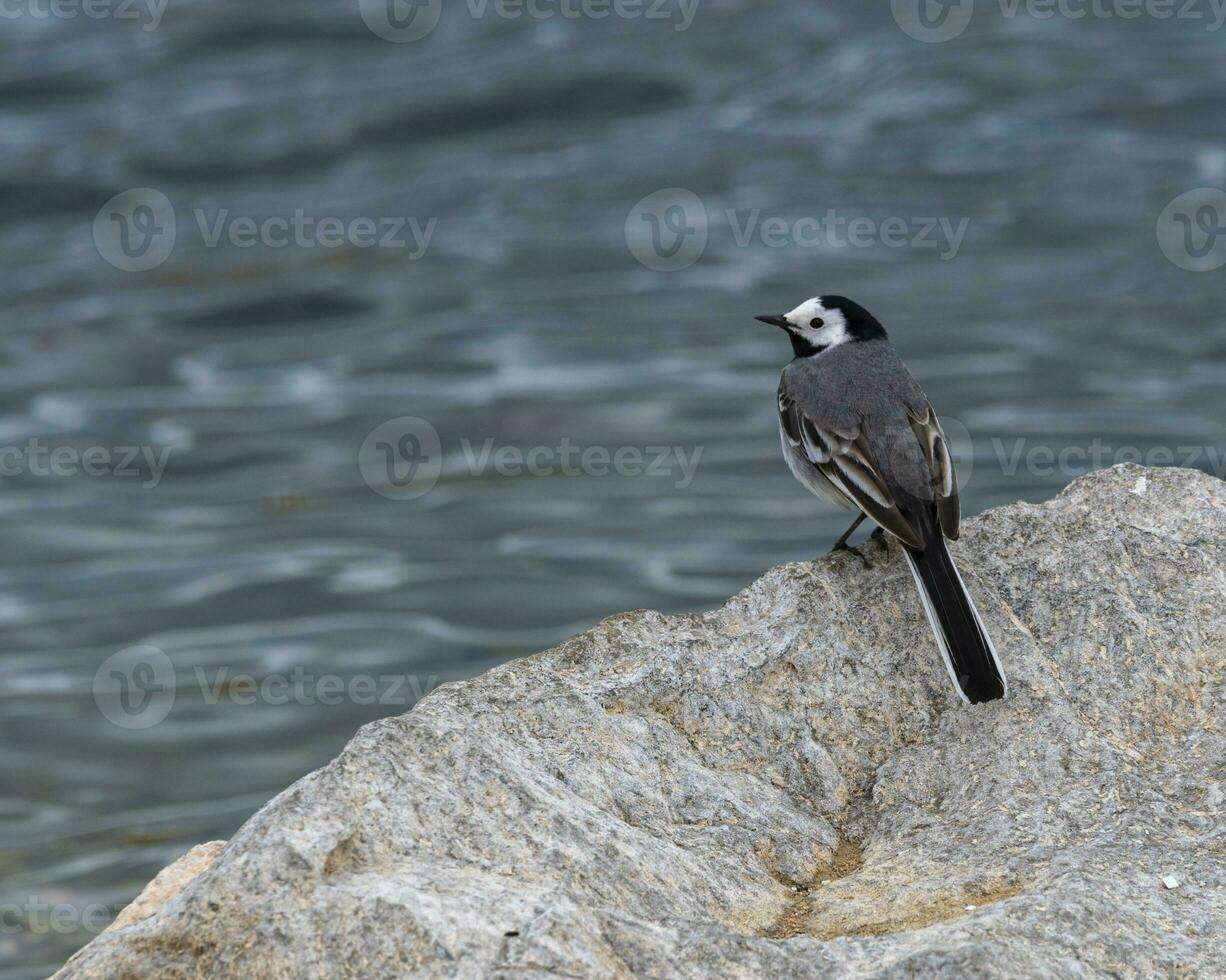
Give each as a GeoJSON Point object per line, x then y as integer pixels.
{"type": "Point", "coordinates": [262, 551]}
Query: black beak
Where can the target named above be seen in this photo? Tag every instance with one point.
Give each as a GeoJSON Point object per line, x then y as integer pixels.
{"type": "Point", "coordinates": [775, 321]}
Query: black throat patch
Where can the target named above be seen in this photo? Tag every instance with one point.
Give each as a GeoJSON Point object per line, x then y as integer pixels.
{"type": "Point", "coordinates": [802, 348]}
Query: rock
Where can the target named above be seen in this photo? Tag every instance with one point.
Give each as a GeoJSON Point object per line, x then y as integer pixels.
{"type": "Point", "coordinates": [171, 880]}
{"type": "Point", "coordinates": [787, 786]}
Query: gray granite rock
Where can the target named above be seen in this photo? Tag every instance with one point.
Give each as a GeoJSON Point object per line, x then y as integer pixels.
{"type": "Point", "coordinates": [787, 786]}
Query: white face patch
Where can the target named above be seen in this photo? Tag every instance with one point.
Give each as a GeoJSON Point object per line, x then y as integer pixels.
{"type": "Point", "coordinates": [829, 331]}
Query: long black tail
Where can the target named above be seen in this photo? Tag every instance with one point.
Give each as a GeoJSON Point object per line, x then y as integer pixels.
{"type": "Point", "coordinates": [969, 655]}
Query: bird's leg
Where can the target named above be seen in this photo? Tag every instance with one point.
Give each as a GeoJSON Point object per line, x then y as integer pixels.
{"type": "Point", "coordinates": [841, 544]}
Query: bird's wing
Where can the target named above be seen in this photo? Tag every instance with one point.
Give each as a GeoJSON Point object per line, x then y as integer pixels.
{"type": "Point", "coordinates": [838, 449]}
{"type": "Point", "coordinates": [935, 447]}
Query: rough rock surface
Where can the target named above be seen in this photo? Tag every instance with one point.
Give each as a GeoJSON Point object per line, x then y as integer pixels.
{"type": "Point", "coordinates": [171, 880]}
{"type": "Point", "coordinates": [787, 786]}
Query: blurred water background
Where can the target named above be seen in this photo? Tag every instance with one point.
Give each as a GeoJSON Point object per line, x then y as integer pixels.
{"type": "Point", "coordinates": [528, 321]}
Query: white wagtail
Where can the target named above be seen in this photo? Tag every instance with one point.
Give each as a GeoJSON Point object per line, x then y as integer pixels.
{"type": "Point", "coordinates": [858, 430]}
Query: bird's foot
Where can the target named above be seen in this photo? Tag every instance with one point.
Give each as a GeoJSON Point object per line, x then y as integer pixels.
{"type": "Point", "coordinates": [855, 551]}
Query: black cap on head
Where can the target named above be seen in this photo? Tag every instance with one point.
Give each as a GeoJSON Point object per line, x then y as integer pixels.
{"type": "Point", "coordinates": [860, 323]}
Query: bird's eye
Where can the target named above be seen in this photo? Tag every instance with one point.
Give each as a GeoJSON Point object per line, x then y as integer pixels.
{"type": "Point", "coordinates": [817, 323]}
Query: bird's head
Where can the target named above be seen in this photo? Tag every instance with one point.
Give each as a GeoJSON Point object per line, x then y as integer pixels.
{"type": "Point", "coordinates": [826, 321]}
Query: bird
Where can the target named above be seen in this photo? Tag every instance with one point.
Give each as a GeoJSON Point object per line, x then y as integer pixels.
{"type": "Point", "coordinates": [857, 429]}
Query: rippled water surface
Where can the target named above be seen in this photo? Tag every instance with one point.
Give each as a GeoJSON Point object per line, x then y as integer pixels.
{"type": "Point", "coordinates": [527, 323]}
